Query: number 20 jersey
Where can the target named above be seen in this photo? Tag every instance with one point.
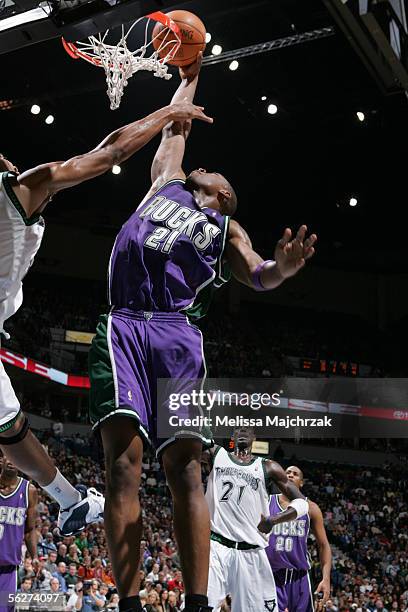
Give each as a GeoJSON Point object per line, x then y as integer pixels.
{"type": "Point", "coordinates": [168, 256]}
{"type": "Point", "coordinates": [237, 496]}
{"type": "Point", "coordinates": [287, 548]}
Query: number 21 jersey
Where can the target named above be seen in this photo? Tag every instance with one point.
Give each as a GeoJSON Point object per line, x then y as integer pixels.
{"type": "Point", "coordinates": [236, 496]}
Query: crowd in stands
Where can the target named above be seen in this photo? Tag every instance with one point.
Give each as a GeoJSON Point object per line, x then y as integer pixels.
{"type": "Point", "coordinates": [365, 512]}
{"type": "Point", "coordinates": [235, 345]}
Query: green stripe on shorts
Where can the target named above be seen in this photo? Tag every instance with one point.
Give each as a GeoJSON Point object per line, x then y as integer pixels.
{"type": "Point", "coordinates": [102, 392]}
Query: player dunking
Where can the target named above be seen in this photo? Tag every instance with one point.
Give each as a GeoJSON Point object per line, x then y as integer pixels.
{"type": "Point", "coordinates": [166, 261]}
{"type": "Point", "coordinates": [237, 498]}
{"type": "Point", "coordinates": [288, 556]}
{"type": "Point", "coordinates": [23, 197]}
{"type": "Point", "coordinates": [18, 509]}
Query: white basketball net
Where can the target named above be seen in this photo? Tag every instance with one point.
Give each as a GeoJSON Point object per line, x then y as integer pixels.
{"type": "Point", "coordinates": [120, 63]}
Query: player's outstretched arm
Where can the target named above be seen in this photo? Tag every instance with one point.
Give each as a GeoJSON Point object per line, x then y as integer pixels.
{"type": "Point", "coordinates": [325, 555]}
{"type": "Point", "coordinates": [30, 532]}
{"type": "Point", "coordinates": [298, 505]}
{"type": "Point", "coordinates": [36, 186]}
{"type": "Point", "coordinates": [168, 161]}
{"type": "Point", "coordinates": [250, 269]}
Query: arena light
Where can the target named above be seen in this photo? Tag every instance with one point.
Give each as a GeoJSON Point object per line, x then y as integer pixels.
{"type": "Point", "coordinates": [360, 116]}
{"type": "Point", "coordinates": [216, 50]}
{"type": "Point", "coordinates": [353, 201]}
{"type": "Point", "coordinates": [49, 119]}
{"type": "Point", "coordinates": [272, 109]}
{"type": "Point", "coordinates": [116, 169]}
{"type": "Point", "coordinates": [207, 37]}
{"type": "Point", "coordinates": [41, 12]}
{"type": "Point", "coordinates": [233, 65]}
{"type": "Point", "coordinates": [263, 98]}
{"type": "Point", "coordinates": [35, 109]}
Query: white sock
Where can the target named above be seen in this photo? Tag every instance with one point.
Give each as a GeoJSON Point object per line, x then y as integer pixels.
{"type": "Point", "coordinates": [62, 491]}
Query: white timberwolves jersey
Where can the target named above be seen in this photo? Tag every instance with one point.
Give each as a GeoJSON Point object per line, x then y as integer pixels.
{"type": "Point", "coordinates": [20, 239]}
{"type": "Point", "coordinates": [236, 496]}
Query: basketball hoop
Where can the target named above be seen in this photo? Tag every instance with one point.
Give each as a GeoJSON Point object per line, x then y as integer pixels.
{"type": "Point", "coordinates": [120, 63]}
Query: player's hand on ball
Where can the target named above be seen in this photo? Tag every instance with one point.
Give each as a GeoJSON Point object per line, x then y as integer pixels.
{"type": "Point", "coordinates": [291, 255]}
{"type": "Point", "coordinates": [191, 71]}
{"type": "Point", "coordinates": [265, 524]}
{"type": "Point", "coordinates": [185, 111]}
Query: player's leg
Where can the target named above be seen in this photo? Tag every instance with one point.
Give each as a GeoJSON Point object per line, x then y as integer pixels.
{"type": "Point", "coordinates": [220, 558]}
{"type": "Point", "coordinates": [254, 587]}
{"type": "Point", "coordinates": [176, 353]}
{"type": "Point", "coordinates": [28, 455]}
{"type": "Point", "coordinates": [282, 590]}
{"type": "Point", "coordinates": [182, 465]}
{"type": "Point", "coordinates": [8, 587]}
{"type": "Point", "coordinates": [123, 449]}
{"type": "Point", "coordinates": [300, 595]}
{"type": "Point", "coordinates": [118, 399]}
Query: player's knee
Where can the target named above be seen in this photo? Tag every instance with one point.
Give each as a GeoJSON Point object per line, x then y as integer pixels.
{"type": "Point", "coordinates": [123, 474]}
{"type": "Point", "coordinates": [16, 432]}
{"type": "Point", "coordinates": [184, 478]}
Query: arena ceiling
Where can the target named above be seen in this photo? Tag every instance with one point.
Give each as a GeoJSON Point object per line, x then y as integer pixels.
{"type": "Point", "coordinates": [301, 165]}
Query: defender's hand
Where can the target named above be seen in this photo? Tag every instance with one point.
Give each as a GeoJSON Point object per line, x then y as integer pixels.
{"type": "Point", "coordinates": [185, 111]}
{"type": "Point", "coordinates": [291, 255]}
{"type": "Point", "coordinates": [191, 71]}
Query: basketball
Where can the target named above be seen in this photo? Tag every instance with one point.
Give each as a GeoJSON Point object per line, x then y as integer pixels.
{"type": "Point", "coordinates": [192, 33]}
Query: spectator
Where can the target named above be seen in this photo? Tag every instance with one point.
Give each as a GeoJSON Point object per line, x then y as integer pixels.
{"type": "Point", "coordinates": [71, 577]}
{"type": "Point", "coordinates": [154, 574]}
{"type": "Point", "coordinates": [89, 600]}
{"type": "Point", "coordinates": [113, 604]}
{"type": "Point", "coordinates": [54, 585]}
{"type": "Point", "coordinates": [86, 572]}
{"type": "Point", "coordinates": [26, 585]}
{"type": "Point", "coordinates": [74, 596]}
{"type": "Point", "coordinates": [60, 575]}
{"type": "Point", "coordinates": [103, 592]}
{"type": "Point", "coordinates": [176, 582]}
{"type": "Point", "coordinates": [51, 563]}
{"type": "Point", "coordinates": [172, 605]}
{"type": "Point", "coordinates": [27, 571]}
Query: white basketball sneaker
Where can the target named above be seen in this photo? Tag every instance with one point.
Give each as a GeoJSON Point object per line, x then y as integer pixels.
{"type": "Point", "coordinates": [88, 510]}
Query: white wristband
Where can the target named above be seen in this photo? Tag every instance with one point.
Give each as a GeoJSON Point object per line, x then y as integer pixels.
{"type": "Point", "coordinates": [300, 505]}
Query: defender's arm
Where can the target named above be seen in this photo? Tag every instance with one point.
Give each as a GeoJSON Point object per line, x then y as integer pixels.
{"type": "Point", "coordinates": [298, 505]}
{"type": "Point", "coordinates": [36, 186]}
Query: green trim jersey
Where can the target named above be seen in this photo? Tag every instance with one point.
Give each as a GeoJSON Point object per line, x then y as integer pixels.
{"type": "Point", "coordinates": [20, 239]}
{"type": "Point", "coordinates": [168, 256]}
{"type": "Point", "coordinates": [237, 496]}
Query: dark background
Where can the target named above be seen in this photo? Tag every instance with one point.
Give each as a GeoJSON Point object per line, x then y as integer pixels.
{"type": "Point", "coordinates": [299, 166]}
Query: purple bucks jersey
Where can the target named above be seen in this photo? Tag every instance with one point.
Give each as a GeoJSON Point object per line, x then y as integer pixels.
{"type": "Point", "coordinates": [287, 546]}
{"type": "Point", "coordinates": [13, 512]}
{"type": "Point", "coordinates": [168, 256]}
